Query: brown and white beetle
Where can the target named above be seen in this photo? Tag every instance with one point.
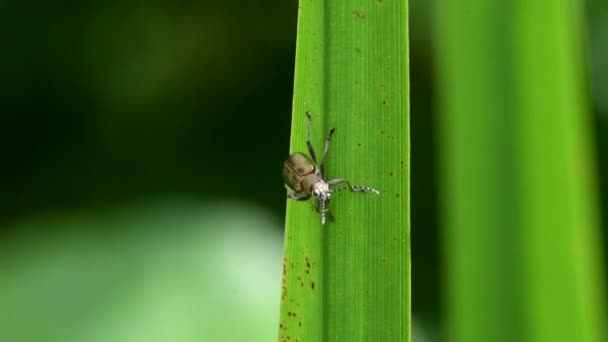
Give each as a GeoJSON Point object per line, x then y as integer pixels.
{"type": "Point", "coordinates": [304, 178]}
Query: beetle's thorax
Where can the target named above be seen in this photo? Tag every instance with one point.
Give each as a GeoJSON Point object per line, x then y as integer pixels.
{"type": "Point", "coordinates": [321, 191]}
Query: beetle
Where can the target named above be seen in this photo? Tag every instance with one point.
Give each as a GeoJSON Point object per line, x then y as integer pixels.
{"type": "Point", "coordinates": [304, 178]}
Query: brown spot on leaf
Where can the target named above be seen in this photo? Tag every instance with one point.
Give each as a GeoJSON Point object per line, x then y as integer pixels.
{"type": "Point", "coordinates": [359, 14]}
{"type": "Point", "coordinates": [308, 265]}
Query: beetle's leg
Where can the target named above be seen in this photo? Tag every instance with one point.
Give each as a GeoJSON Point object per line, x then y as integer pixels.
{"type": "Point", "coordinates": [319, 208]}
{"type": "Point", "coordinates": [323, 209]}
{"type": "Point", "coordinates": [351, 188]}
{"type": "Point", "coordinates": [322, 213]}
{"type": "Point", "coordinates": [311, 150]}
{"type": "Point", "coordinates": [325, 149]}
{"type": "Point", "coordinates": [298, 196]}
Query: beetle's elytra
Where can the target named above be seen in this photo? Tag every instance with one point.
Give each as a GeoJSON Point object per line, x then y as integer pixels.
{"type": "Point", "coordinates": [295, 170]}
{"type": "Point", "coordinates": [303, 178]}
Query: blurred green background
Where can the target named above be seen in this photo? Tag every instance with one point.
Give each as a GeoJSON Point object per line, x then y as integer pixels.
{"type": "Point", "coordinates": [140, 150]}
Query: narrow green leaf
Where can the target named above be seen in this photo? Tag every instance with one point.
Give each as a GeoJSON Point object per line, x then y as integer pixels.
{"type": "Point", "coordinates": [519, 184]}
{"type": "Point", "coordinates": [350, 279]}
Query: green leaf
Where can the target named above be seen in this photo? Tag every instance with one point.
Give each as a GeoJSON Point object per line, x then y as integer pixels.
{"type": "Point", "coordinates": [518, 182]}
{"type": "Point", "coordinates": [350, 279]}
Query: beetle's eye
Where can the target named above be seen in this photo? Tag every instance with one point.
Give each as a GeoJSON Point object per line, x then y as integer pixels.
{"type": "Point", "coordinates": [315, 193]}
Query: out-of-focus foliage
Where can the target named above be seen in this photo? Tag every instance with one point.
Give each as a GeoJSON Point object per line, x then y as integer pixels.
{"type": "Point", "coordinates": [520, 200]}
{"type": "Point", "coordinates": [167, 271]}
{"type": "Point", "coordinates": [597, 29]}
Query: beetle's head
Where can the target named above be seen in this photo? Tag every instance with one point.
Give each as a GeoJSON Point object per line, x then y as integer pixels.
{"type": "Point", "coordinates": [321, 191]}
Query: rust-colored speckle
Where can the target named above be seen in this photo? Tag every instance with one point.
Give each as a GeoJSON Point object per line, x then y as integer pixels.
{"type": "Point", "coordinates": [308, 264]}
{"type": "Point", "coordinates": [359, 14]}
